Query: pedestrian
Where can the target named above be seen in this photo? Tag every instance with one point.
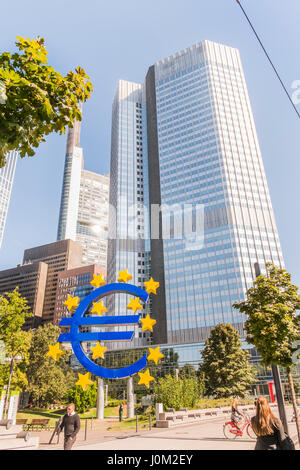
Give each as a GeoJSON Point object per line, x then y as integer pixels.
{"type": "Point", "coordinates": [121, 412]}
{"type": "Point", "coordinates": [269, 429]}
{"type": "Point", "coordinates": [71, 425]}
{"type": "Point", "coordinates": [236, 416]}
{"type": "Point", "coordinates": [298, 410]}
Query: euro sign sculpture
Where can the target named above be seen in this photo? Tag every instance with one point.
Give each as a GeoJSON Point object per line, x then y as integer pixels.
{"type": "Point", "coordinates": [75, 337]}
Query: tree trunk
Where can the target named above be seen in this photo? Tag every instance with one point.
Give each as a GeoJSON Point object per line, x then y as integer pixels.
{"type": "Point", "coordinates": [6, 400]}
{"type": "Point", "coordinates": [291, 384]}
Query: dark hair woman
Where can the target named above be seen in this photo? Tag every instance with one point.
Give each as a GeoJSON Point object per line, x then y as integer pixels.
{"type": "Point", "coordinates": [267, 427]}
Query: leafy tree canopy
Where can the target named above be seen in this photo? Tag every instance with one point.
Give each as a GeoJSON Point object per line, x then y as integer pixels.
{"type": "Point", "coordinates": [273, 323]}
{"type": "Point", "coordinates": [35, 99]}
{"type": "Point", "coordinates": [13, 312]}
{"type": "Point", "coordinates": [48, 380]}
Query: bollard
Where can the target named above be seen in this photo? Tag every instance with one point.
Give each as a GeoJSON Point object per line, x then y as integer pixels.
{"type": "Point", "coordinates": [136, 423]}
{"type": "Point", "coordinates": [85, 430]}
{"type": "Point", "coordinates": [150, 422]}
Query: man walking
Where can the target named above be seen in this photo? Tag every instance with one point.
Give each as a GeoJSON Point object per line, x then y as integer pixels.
{"type": "Point", "coordinates": [71, 425]}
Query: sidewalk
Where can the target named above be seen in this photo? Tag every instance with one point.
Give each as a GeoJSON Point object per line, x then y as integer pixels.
{"type": "Point", "coordinates": [207, 435]}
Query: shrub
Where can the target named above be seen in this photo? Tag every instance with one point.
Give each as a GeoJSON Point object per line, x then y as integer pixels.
{"type": "Point", "coordinates": [83, 400]}
{"type": "Point", "coordinates": [177, 393]}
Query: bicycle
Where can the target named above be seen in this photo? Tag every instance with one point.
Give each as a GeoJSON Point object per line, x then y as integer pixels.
{"type": "Point", "coordinates": [231, 431]}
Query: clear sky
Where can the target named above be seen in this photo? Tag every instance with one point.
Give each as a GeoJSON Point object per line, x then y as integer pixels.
{"type": "Point", "coordinates": [120, 39]}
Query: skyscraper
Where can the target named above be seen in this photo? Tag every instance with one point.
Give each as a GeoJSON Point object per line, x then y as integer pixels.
{"type": "Point", "coordinates": [200, 149]}
{"type": "Point", "coordinates": [6, 181]}
{"type": "Point", "coordinates": [126, 245]}
{"type": "Point", "coordinates": [84, 204]}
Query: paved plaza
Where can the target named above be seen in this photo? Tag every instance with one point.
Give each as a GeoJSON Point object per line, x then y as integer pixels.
{"type": "Point", "coordinates": [207, 435]}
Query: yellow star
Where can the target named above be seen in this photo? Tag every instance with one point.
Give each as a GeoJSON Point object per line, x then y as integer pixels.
{"type": "Point", "coordinates": [98, 351]}
{"type": "Point", "coordinates": [155, 355]}
{"type": "Point", "coordinates": [147, 323]}
{"type": "Point", "coordinates": [134, 305]}
{"type": "Point", "coordinates": [97, 280]}
{"type": "Point", "coordinates": [124, 276]}
{"type": "Point", "coordinates": [84, 380]}
{"type": "Point", "coordinates": [72, 303]}
{"type": "Point", "coordinates": [54, 351]}
{"type": "Point", "coordinates": [99, 308]}
{"type": "Point", "coordinates": [145, 378]}
{"type": "Point", "coordinates": [151, 286]}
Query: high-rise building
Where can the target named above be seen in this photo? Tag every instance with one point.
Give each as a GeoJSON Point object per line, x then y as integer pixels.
{"type": "Point", "coordinates": [59, 256]}
{"type": "Point", "coordinates": [37, 277]}
{"type": "Point", "coordinates": [7, 174]}
{"type": "Point", "coordinates": [193, 143]}
{"type": "Point", "coordinates": [92, 221]}
{"type": "Point", "coordinates": [31, 278]}
{"type": "Point", "coordinates": [84, 204]}
{"type": "Point", "coordinates": [75, 282]}
{"type": "Point", "coordinates": [126, 244]}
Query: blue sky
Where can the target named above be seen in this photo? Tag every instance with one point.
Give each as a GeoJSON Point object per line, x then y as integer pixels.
{"type": "Point", "coordinates": [121, 39]}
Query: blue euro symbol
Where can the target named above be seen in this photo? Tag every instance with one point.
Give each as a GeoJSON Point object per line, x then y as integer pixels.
{"type": "Point", "coordinates": [78, 319]}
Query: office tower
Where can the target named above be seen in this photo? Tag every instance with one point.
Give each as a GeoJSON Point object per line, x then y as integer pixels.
{"type": "Point", "coordinates": [84, 204]}
{"type": "Point", "coordinates": [75, 282]}
{"type": "Point", "coordinates": [92, 220]}
{"type": "Point", "coordinates": [31, 279]}
{"type": "Point", "coordinates": [59, 256]}
{"type": "Point", "coordinates": [201, 150]}
{"type": "Point", "coordinates": [7, 174]}
{"type": "Point", "coordinates": [71, 185]}
{"type": "Point", "coordinates": [126, 246]}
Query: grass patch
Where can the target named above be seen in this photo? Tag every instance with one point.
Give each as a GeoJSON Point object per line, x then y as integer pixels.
{"type": "Point", "coordinates": [130, 423]}
{"type": "Point", "coordinates": [55, 415]}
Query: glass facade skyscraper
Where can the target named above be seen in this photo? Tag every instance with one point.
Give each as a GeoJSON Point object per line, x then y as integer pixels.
{"type": "Point", "coordinates": [7, 174]}
{"type": "Point", "coordinates": [199, 148]}
{"type": "Point", "coordinates": [126, 245]}
{"type": "Point", "coordinates": [203, 146]}
{"type": "Point", "coordinates": [84, 204]}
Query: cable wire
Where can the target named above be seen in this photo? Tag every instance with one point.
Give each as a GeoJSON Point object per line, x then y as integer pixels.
{"type": "Point", "coordinates": [268, 57]}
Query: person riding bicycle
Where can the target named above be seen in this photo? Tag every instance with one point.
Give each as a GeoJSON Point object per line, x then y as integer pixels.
{"type": "Point", "coordinates": [236, 416]}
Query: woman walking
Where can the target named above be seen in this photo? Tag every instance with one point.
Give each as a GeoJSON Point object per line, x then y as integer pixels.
{"type": "Point", "coordinates": [268, 428]}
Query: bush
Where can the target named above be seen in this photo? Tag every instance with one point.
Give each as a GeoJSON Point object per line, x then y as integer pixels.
{"type": "Point", "coordinates": [83, 400]}
{"type": "Point", "coordinates": [113, 403]}
{"type": "Point", "coordinates": [177, 393]}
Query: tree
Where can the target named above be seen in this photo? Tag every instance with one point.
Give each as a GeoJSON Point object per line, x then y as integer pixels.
{"type": "Point", "coordinates": [226, 367]}
{"type": "Point", "coordinates": [13, 313]}
{"type": "Point", "coordinates": [48, 380]}
{"type": "Point", "coordinates": [273, 323]}
{"type": "Point", "coordinates": [35, 99]}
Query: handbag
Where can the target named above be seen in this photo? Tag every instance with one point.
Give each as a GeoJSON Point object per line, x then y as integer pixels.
{"type": "Point", "coordinates": [284, 444]}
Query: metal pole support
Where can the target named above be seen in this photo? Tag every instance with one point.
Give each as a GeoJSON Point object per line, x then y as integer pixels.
{"type": "Point", "coordinates": [85, 430]}
{"type": "Point", "coordinates": [279, 397]}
